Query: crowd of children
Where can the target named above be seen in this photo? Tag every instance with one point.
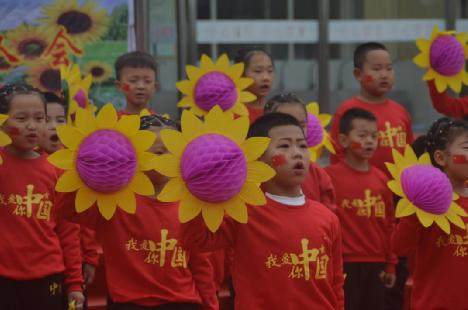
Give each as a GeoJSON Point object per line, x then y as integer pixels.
{"type": "Point", "coordinates": [327, 238]}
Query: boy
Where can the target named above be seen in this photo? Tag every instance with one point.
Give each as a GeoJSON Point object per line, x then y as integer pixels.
{"type": "Point", "coordinates": [136, 74]}
{"type": "Point", "coordinates": [288, 256]}
{"type": "Point", "coordinates": [40, 258]}
{"type": "Point", "coordinates": [365, 210]}
{"type": "Point", "coordinates": [373, 70]}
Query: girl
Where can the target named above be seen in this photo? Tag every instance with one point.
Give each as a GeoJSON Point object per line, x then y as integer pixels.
{"type": "Point", "coordinates": [259, 66]}
{"type": "Point", "coordinates": [440, 260]}
{"type": "Point", "coordinates": [40, 253]}
{"type": "Point", "coordinates": [146, 266]}
{"type": "Point", "coordinates": [317, 185]}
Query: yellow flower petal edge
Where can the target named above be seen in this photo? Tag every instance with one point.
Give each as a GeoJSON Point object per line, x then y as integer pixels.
{"type": "Point", "coordinates": [125, 138]}
{"type": "Point", "coordinates": [217, 124]}
{"type": "Point", "coordinates": [314, 119]}
{"type": "Point", "coordinates": [4, 138]}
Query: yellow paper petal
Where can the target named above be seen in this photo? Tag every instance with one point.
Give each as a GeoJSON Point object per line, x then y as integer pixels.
{"type": "Point", "coordinates": [85, 122]}
{"type": "Point", "coordinates": [69, 136]}
{"type": "Point", "coordinates": [252, 194]}
{"type": "Point", "coordinates": [85, 198]}
{"type": "Point", "coordinates": [455, 219]}
{"type": "Point", "coordinates": [259, 172]}
{"type": "Point", "coordinates": [126, 200]}
{"type": "Point", "coordinates": [393, 170]}
{"type": "Point", "coordinates": [107, 117]}
{"type": "Point", "coordinates": [328, 145]}
{"type": "Point", "coordinates": [443, 223]}
{"type": "Point", "coordinates": [186, 102]}
{"type": "Point", "coordinates": [425, 218]}
{"type": "Point", "coordinates": [238, 129]}
{"type": "Point", "coordinates": [63, 159]}
{"type": "Point", "coordinates": [423, 45]}
{"type": "Point", "coordinates": [404, 208]}
{"type": "Point", "coordinates": [395, 187]}
{"type": "Point", "coordinates": [223, 62]}
{"type": "Point", "coordinates": [168, 165]}
{"type": "Point", "coordinates": [422, 60]}
{"type": "Point", "coordinates": [4, 139]}
{"type": "Point", "coordinates": [313, 108]}
{"type": "Point", "coordinates": [237, 210]}
{"type": "Point", "coordinates": [185, 87]}
{"type": "Point", "coordinates": [254, 147]}
{"type": "Point", "coordinates": [213, 216]}
{"type": "Point", "coordinates": [106, 205]}
{"type": "Point", "coordinates": [193, 73]}
{"type": "Point", "coordinates": [174, 190]}
{"type": "Point", "coordinates": [324, 119]}
{"type": "Point", "coordinates": [191, 125]}
{"type": "Point", "coordinates": [128, 125]}
{"type": "Point", "coordinates": [174, 141]}
{"type": "Point", "coordinates": [245, 96]}
{"type": "Point", "coordinates": [236, 71]}
{"type": "Point", "coordinates": [206, 63]}
{"type": "Point", "coordinates": [244, 83]}
{"type": "Point", "coordinates": [240, 109]}
{"type": "Point", "coordinates": [143, 140]}
{"type": "Point", "coordinates": [425, 159]}
{"type": "Point", "coordinates": [142, 185]}
{"type": "Point", "coordinates": [146, 161]}
{"type": "Point", "coordinates": [69, 181]}
{"type": "Point", "coordinates": [189, 208]}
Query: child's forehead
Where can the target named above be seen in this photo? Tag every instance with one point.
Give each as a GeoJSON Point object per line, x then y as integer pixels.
{"type": "Point", "coordinates": [361, 123]}
{"type": "Point", "coordinates": [55, 108]}
{"type": "Point", "coordinates": [286, 132]}
{"type": "Point", "coordinates": [137, 71]}
{"type": "Point", "coordinates": [377, 55]}
{"type": "Point", "coordinates": [26, 101]}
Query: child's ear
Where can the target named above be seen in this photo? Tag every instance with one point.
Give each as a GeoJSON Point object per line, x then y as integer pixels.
{"type": "Point", "coordinates": [343, 140]}
{"type": "Point", "coordinates": [156, 86]}
{"type": "Point", "coordinates": [357, 74]}
{"type": "Point", "coordinates": [441, 158]}
{"type": "Point", "coordinates": [118, 85]}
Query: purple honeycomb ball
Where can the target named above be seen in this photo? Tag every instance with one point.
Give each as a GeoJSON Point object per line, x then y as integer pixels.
{"type": "Point", "coordinates": [314, 130]}
{"type": "Point", "coordinates": [106, 161]}
{"type": "Point", "coordinates": [215, 88]}
{"type": "Point", "coordinates": [447, 55]}
{"type": "Point", "coordinates": [427, 188]}
{"type": "Point", "coordinates": [214, 168]}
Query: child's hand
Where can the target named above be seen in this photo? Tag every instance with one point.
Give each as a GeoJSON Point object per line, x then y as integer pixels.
{"type": "Point", "coordinates": [89, 272]}
{"type": "Point", "coordinates": [388, 279]}
{"type": "Point", "coordinates": [75, 300]}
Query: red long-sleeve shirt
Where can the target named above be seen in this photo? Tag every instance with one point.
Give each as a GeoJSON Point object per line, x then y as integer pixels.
{"type": "Point", "coordinates": [285, 257]}
{"type": "Point", "coordinates": [365, 210]}
{"type": "Point", "coordinates": [254, 113]}
{"type": "Point", "coordinates": [36, 242]}
{"type": "Point", "coordinates": [145, 262]}
{"type": "Point", "coordinates": [318, 186]}
{"type": "Point", "coordinates": [90, 248]}
{"type": "Point", "coordinates": [393, 122]}
{"type": "Point", "coordinates": [443, 103]}
{"type": "Point", "coordinates": [440, 262]}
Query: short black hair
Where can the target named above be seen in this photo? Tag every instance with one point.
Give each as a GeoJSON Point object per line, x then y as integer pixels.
{"type": "Point", "coordinates": [9, 91]}
{"type": "Point", "coordinates": [135, 59]}
{"type": "Point", "coordinates": [360, 53]}
{"type": "Point", "coordinates": [147, 121]}
{"type": "Point", "coordinates": [244, 55]}
{"type": "Point", "coordinates": [281, 99]}
{"type": "Point", "coordinates": [51, 97]}
{"type": "Point", "coordinates": [346, 120]}
{"type": "Point", "coordinates": [262, 126]}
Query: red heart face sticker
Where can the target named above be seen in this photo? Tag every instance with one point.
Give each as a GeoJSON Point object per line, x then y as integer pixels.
{"type": "Point", "coordinates": [459, 159]}
{"type": "Point", "coordinates": [278, 160]}
{"type": "Point", "coordinates": [356, 145]}
{"type": "Point", "coordinates": [13, 131]}
{"type": "Point", "coordinates": [125, 87]}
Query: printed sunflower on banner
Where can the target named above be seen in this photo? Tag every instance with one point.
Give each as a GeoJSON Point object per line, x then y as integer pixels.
{"type": "Point", "coordinates": [213, 168]}
{"type": "Point", "coordinates": [444, 55]}
{"type": "Point", "coordinates": [99, 70]}
{"type": "Point", "coordinates": [215, 83]}
{"type": "Point", "coordinates": [425, 190]}
{"type": "Point", "coordinates": [104, 159]}
{"type": "Point", "coordinates": [28, 42]}
{"type": "Point", "coordinates": [42, 75]}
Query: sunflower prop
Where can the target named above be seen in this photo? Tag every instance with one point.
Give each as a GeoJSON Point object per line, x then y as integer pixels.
{"type": "Point", "coordinates": [100, 71]}
{"type": "Point", "coordinates": [425, 190]}
{"type": "Point", "coordinates": [76, 89]}
{"type": "Point", "coordinates": [443, 55]}
{"type": "Point", "coordinates": [84, 23]}
{"type": "Point", "coordinates": [4, 138]}
{"type": "Point", "coordinates": [213, 168]}
{"type": "Point", "coordinates": [104, 160]}
{"type": "Point", "coordinates": [317, 136]}
{"type": "Point", "coordinates": [28, 42]}
{"type": "Point", "coordinates": [215, 84]}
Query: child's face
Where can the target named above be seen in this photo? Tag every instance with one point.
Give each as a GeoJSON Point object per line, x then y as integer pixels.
{"type": "Point", "coordinates": [295, 110]}
{"type": "Point", "coordinates": [376, 75]}
{"type": "Point", "coordinates": [138, 85]}
{"type": "Point", "coordinates": [362, 140]}
{"type": "Point", "coordinates": [157, 148]}
{"type": "Point", "coordinates": [261, 70]}
{"type": "Point", "coordinates": [55, 116]}
{"type": "Point", "coordinates": [452, 159]}
{"type": "Point", "coordinates": [26, 121]}
{"type": "Point", "coordinates": [288, 155]}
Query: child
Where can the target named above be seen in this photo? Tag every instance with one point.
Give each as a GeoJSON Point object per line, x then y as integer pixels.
{"type": "Point", "coordinates": [136, 74]}
{"type": "Point", "coordinates": [40, 256]}
{"type": "Point", "coordinates": [259, 66]}
{"type": "Point", "coordinates": [317, 184]}
{"type": "Point", "coordinates": [443, 103]}
{"type": "Point", "coordinates": [146, 267]}
{"type": "Point", "coordinates": [440, 260]}
{"type": "Point", "coordinates": [365, 210]}
{"type": "Point", "coordinates": [288, 256]}
{"type": "Point", "coordinates": [373, 70]}
{"type": "Point", "coordinates": [56, 115]}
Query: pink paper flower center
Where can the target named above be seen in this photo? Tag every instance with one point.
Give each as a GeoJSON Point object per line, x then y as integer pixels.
{"type": "Point", "coordinates": [215, 88]}
{"type": "Point", "coordinates": [80, 99]}
{"type": "Point", "coordinates": [314, 130]}
{"type": "Point", "coordinates": [106, 161]}
{"type": "Point", "coordinates": [214, 168]}
{"type": "Point", "coordinates": [447, 55]}
{"type": "Point", "coordinates": [427, 188]}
